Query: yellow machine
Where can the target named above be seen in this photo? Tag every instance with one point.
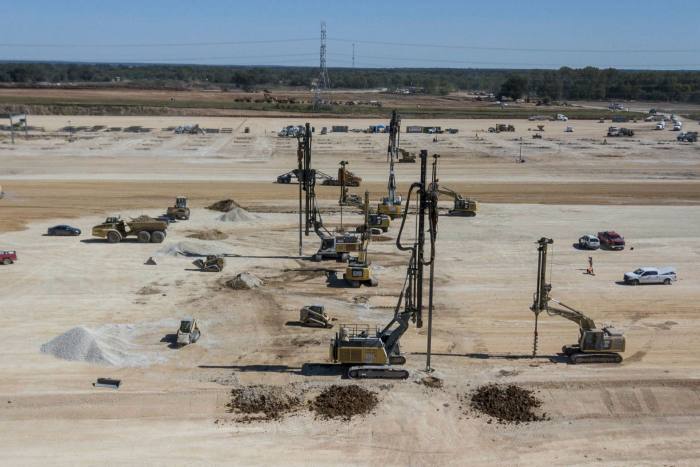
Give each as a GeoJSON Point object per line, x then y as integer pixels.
{"type": "Point", "coordinates": [180, 211]}
{"type": "Point", "coordinates": [594, 345]}
{"type": "Point", "coordinates": [464, 207]}
{"type": "Point", "coordinates": [391, 204]}
{"type": "Point", "coordinates": [375, 220]}
{"type": "Point", "coordinates": [375, 354]}
{"type": "Point", "coordinates": [359, 270]}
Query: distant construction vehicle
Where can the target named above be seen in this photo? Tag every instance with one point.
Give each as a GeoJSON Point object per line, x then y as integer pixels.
{"type": "Point", "coordinates": [501, 127]}
{"type": "Point", "coordinates": [406, 157]}
{"type": "Point", "coordinates": [144, 228]}
{"type": "Point", "coordinates": [594, 345]}
{"type": "Point", "coordinates": [391, 204]}
{"type": "Point", "coordinates": [180, 211]}
{"type": "Point", "coordinates": [188, 332]}
{"type": "Point", "coordinates": [314, 316]}
{"type": "Point", "coordinates": [8, 257]}
{"type": "Point", "coordinates": [376, 354]}
{"type": "Point", "coordinates": [463, 207]}
{"type": "Point", "coordinates": [614, 131]}
{"type": "Point", "coordinates": [350, 178]}
{"type": "Point", "coordinates": [359, 270]}
{"type": "Point", "coordinates": [212, 263]}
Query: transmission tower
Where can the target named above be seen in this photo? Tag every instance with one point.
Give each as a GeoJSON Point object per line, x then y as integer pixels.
{"type": "Point", "coordinates": [353, 55]}
{"type": "Point", "coordinates": [323, 83]}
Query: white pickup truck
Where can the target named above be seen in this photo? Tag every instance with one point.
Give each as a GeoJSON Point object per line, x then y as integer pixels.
{"type": "Point", "coordinates": [647, 275]}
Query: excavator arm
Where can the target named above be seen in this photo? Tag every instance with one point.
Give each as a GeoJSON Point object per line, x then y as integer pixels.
{"type": "Point", "coordinates": [584, 322]}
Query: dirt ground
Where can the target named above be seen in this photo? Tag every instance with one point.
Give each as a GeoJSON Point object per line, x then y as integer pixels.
{"type": "Point", "coordinates": [645, 411]}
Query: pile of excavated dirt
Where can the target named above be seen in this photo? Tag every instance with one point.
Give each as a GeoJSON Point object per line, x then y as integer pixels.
{"type": "Point", "coordinates": [238, 215]}
{"type": "Point", "coordinates": [344, 402]}
{"type": "Point", "coordinates": [244, 281]}
{"type": "Point", "coordinates": [193, 248]}
{"type": "Point", "coordinates": [211, 234]}
{"type": "Point", "coordinates": [107, 345]}
{"type": "Point", "coordinates": [263, 402]}
{"type": "Point", "coordinates": [507, 403]}
{"type": "Point", "coordinates": [225, 205]}
{"type": "Point", "coordinates": [432, 382]}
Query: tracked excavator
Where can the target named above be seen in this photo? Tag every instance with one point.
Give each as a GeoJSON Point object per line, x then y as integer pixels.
{"type": "Point", "coordinates": [359, 269]}
{"type": "Point", "coordinates": [391, 204]}
{"type": "Point", "coordinates": [594, 345]}
{"type": "Point", "coordinates": [464, 207]}
{"type": "Point", "coordinates": [377, 354]}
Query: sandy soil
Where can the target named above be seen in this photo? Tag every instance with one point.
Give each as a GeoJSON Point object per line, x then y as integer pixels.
{"type": "Point", "coordinates": [645, 411]}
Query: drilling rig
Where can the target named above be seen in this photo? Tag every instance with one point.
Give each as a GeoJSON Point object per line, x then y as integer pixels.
{"type": "Point", "coordinates": [374, 220]}
{"type": "Point", "coordinates": [391, 204]}
{"type": "Point", "coordinates": [359, 270]}
{"type": "Point", "coordinates": [594, 345]}
{"type": "Point", "coordinates": [332, 246]}
{"type": "Point", "coordinates": [376, 356]}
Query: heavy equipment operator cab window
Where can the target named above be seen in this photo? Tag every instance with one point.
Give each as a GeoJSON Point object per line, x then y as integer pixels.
{"type": "Point", "coordinates": [327, 243]}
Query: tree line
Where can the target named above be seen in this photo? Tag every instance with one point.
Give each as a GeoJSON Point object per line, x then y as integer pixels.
{"type": "Point", "coordinates": [562, 84]}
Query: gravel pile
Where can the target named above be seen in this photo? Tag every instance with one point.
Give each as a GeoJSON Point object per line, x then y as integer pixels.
{"type": "Point", "coordinates": [244, 281]}
{"type": "Point", "coordinates": [238, 215]}
{"type": "Point", "coordinates": [344, 402]}
{"type": "Point", "coordinates": [225, 205]}
{"type": "Point", "coordinates": [507, 403]}
{"type": "Point", "coordinates": [263, 402]}
{"type": "Point", "coordinates": [212, 234]}
{"type": "Point", "coordinates": [193, 248]}
{"type": "Point", "coordinates": [107, 345]}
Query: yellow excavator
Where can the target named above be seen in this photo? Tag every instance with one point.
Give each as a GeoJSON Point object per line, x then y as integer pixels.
{"type": "Point", "coordinates": [359, 270]}
{"type": "Point", "coordinates": [376, 221]}
{"type": "Point", "coordinates": [594, 345]}
{"type": "Point", "coordinates": [377, 354]}
{"type": "Point", "coordinates": [463, 207]}
{"type": "Point", "coordinates": [391, 204]}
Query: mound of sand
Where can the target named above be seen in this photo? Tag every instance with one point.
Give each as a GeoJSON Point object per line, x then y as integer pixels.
{"type": "Point", "coordinates": [193, 248]}
{"type": "Point", "coordinates": [238, 215]}
{"type": "Point", "coordinates": [210, 234]}
{"type": "Point", "coordinates": [108, 345]}
{"type": "Point", "coordinates": [244, 281]}
{"type": "Point", "coordinates": [225, 205]}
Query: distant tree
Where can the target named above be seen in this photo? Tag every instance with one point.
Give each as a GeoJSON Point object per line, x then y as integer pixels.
{"type": "Point", "coordinates": [514, 87]}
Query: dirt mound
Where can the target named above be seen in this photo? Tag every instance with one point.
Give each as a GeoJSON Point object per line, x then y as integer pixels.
{"type": "Point", "coordinates": [238, 215]}
{"type": "Point", "coordinates": [432, 382]}
{"type": "Point", "coordinates": [244, 281]}
{"type": "Point", "coordinates": [211, 234]}
{"type": "Point", "coordinates": [344, 402]}
{"type": "Point", "coordinates": [263, 402]}
{"type": "Point", "coordinates": [225, 205]}
{"type": "Point", "coordinates": [508, 404]}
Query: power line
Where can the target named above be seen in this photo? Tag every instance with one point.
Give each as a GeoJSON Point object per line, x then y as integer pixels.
{"type": "Point", "coordinates": [155, 44]}
{"type": "Point", "coordinates": [513, 49]}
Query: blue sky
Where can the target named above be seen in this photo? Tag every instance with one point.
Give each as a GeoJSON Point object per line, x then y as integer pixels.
{"type": "Point", "coordinates": [483, 34]}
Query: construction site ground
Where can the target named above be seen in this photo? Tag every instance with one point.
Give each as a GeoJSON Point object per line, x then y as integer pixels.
{"type": "Point", "coordinates": [171, 405]}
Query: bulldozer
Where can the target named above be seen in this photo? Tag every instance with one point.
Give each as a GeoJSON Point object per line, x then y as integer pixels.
{"type": "Point", "coordinates": [595, 345]}
{"type": "Point", "coordinates": [180, 211]}
{"type": "Point", "coordinates": [376, 354]}
{"type": "Point", "coordinates": [314, 316]}
{"type": "Point", "coordinates": [144, 228]}
{"type": "Point", "coordinates": [212, 263]}
{"type": "Point", "coordinates": [358, 270]}
{"type": "Point", "coordinates": [390, 205]}
{"type": "Point", "coordinates": [463, 207]}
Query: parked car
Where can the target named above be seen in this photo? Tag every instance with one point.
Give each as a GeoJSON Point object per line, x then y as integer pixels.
{"type": "Point", "coordinates": [611, 240]}
{"type": "Point", "coordinates": [63, 230]}
{"type": "Point", "coordinates": [678, 126]}
{"type": "Point", "coordinates": [661, 125]}
{"type": "Point", "coordinates": [688, 137]}
{"type": "Point", "coordinates": [648, 275]}
{"type": "Point", "coordinates": [589, 242]}
{"type": "Point", "coordinates": [8, 257]}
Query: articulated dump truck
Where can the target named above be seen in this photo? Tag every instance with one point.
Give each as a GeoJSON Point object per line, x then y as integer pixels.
{"type": "Point", "coordinates": [144, 228]}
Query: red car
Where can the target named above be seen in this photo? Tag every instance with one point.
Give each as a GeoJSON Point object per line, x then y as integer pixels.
{"type": "Point", "coordinates": [8, 257]}
{"type": "Point", "coordinates": [611, 240]}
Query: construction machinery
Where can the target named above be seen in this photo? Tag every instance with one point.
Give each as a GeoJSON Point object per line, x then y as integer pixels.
{"type": "Point", "coordinates": [188, 332]}
{"type": "Point", "coordinates": [350, 178]}
{"type": "Point", "coordinates": [359, 270]}
{"type": "Point", "coordinates": [406, 157]}
{"type": "Point", "coordinates": [376, 221]}
{"type": "Point", "coordinates": [594, 345]}
{"type": "Point", "coordinates": [212, 263]}
{"type": "Point", "coordinates": [144, 228]}
{"type": "Point", "coordinates": [314, 316]}
{"type": "Point", "coordinates": [464, 207]}
{"type": "Point", "coordinates": [180, 211]}
{"type": "Point", "coordinates": [391, 204]}
{"type": "Point", "coordinates": [333, 246]}
{"type": "Point", "coordinates": [376, 354]}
